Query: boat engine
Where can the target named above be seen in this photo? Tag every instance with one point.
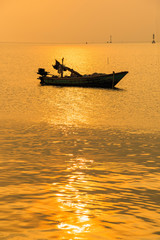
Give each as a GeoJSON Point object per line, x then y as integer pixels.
{"type": "Point", "coordinates": [42, 72]}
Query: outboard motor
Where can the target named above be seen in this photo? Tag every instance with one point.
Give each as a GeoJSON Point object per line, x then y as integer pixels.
{"type": "Point", "coordinates": [42, 72]}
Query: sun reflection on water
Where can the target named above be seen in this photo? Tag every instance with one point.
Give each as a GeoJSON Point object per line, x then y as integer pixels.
{"type": "Point", "coordinates": [75, 216]}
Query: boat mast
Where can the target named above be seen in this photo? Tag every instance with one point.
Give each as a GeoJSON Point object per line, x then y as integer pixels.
{"type": "Point", "coordinates": [62, 68]}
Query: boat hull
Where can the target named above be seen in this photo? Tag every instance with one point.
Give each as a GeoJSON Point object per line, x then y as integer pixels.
{"type": "Point", "coordinates": [97, 81]}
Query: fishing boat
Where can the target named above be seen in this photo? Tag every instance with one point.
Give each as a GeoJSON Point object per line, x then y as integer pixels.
{"type": "Point", "coordinates": [97, 80]}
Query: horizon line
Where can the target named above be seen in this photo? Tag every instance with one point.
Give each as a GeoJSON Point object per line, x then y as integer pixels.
{"type": "Point", "coordinates": [85, 43]}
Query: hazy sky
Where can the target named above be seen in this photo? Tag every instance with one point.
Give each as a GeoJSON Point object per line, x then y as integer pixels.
{"type": "Point", "coordinates": [76, 21]}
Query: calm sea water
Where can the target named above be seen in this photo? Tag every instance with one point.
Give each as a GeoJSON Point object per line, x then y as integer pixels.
{"type": "Point", "coordinates": [80, 163]}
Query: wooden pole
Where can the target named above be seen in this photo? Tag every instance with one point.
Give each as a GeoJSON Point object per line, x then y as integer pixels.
{"type": "Point", "coordinates": [62, 68]}
{"type": "Point", "coordinates": [113, 80]}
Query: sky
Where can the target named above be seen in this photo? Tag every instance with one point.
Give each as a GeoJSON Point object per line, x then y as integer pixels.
{"type": "Point", "coordinates": [78, 21]}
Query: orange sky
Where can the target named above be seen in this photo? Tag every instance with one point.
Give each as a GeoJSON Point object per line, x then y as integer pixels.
{"type": "Point", "coordinates": [76, 21]}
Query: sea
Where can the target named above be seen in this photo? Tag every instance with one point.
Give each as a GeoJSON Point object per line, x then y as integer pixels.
{"type": "Point", "coordinates": [80, 163]}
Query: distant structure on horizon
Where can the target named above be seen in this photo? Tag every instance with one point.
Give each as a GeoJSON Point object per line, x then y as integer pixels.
{"type": "Point", "coordinates": [110, 39]}
{"type": "Point", "coordinates": [153, 41]}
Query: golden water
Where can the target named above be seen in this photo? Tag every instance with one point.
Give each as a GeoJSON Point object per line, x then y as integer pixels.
{"type": "Point", "coordinates": [80, 163]}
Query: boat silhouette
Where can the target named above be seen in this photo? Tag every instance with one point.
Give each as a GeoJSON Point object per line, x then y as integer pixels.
{"type": "Point", "coordinates": [98, 80]}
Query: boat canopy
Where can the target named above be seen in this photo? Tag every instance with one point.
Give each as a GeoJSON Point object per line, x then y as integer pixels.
{"type": "Point", "coordinates": [60, 68]}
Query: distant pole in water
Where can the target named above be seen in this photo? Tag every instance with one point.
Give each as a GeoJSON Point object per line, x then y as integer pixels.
{"type": "Point", "coordinates": [110, 39]}
{"type": "Point", "coordinates": [153, 41]}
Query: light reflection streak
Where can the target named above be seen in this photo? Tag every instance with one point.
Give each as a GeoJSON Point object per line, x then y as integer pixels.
{"type": "Point", "coordinates": [72, 203]}
{"type": "Point", "coordinates": [74, 229]}
{"type": "Point", "coordinates": [70, 113]}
